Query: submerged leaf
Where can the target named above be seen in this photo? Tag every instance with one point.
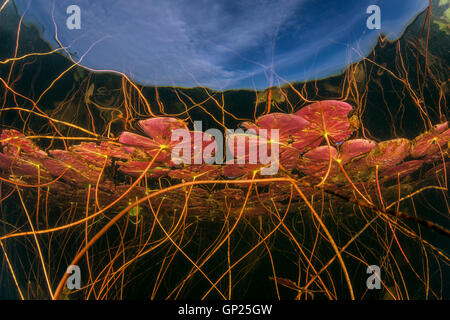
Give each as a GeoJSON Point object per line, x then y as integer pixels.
{"type": "Point", "coordinates": [430, 143]}
{"type": "Point", "coordinates": [328, 117]}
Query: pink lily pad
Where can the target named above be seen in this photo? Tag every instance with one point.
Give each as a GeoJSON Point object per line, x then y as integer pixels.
{"type": "Point", "coordinates": [143, 147]}
{"type": "Point", "coordinates": [97, 154]}
{"type": "Point", "coordinates": [388, 153]}
{"type": "Point", "coordinates": [244, 171]}
{"type": "Point", "coordinates": [354, 149]}
{"type": "Point", "coordinates": [161, 142]}
{"type": "Point", "coordinates": [136, 168]}
{"type": "Point", "coordinates": [401, 170]}
{"type": "Point", "coordinates": [160, 128]}
{"type": "Point", "coordinates": [328, 116]}
{"type": "Point", "coordinates": [245, 146]}
{"type": "Point", "coordinates": [288, 125]}
{"type": "Point", "coordinates": [438, 170]}
{"type": "Point", "coordinates": [290, 137]}
{"type": "Point", "coordinates": [316, 161]}
{"type": "Point", "coordinates": [254, 153]}
{"type": "Point", "coordinates": [75, 168]}
{"type": "Point", "coordinates": [198, 145]}
{"type": "Point", "coordinates": [13, 141]}
{"type": "Point", "coordinates": [197, 171]}
{"type": "Point", "coordinates": [22, 167]}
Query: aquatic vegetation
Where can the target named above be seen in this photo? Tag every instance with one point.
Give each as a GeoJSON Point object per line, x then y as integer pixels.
{"type": "Point", "coordinates": [320, 153]}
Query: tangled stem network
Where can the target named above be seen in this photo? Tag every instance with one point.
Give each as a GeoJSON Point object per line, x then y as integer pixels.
{"type": "Point", "coordinates": [88, 178]}
{"type": "Point", "coordinates": [342, 167]}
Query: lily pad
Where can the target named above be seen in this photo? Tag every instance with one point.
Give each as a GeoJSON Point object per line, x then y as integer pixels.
{"type": "Point", "coordinates": [426, 145]}
{"type": "Point", "coordinates": [328, 117]}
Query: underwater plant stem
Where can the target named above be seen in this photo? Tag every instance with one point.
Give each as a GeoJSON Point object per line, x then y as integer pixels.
{"type": "Point", "coordinates": [98, 182]}
{"type": "Point", "coordinates": [413, 194]}
{"type": "Point", "coordinates": [91, 216]}
{"type": "Point", "coordinates": [306, 257]}
{"type": "Point", "coordinates": [330, 161]}
{"type": "Point", "coordinates": [53, 120]}
{"type": "Point", "coordinates": [187, 256]}
{"type": "Point", "coordinates": [380, 197]}
{"type": "Point", "coordinates": [37, 243]}
{"type": "Point", "coordinates": [325, 135]}
{"type": "Point", "coordinates": [443, 164]}
{"type": "Point", "coordinates": [141, 200]}
{"type": "Point", "coordinates": [86, 230]}
{"type": "Point", "coordinates": [398, 214]}
{"type": "Point", "coordinates": [106, 227]}
{"type": "Point", "coordinates": [353, 185]}
{"type": "Point", "coordinates": [311, 281]}
{"type": "Point", "coordinates": [263, 240]}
